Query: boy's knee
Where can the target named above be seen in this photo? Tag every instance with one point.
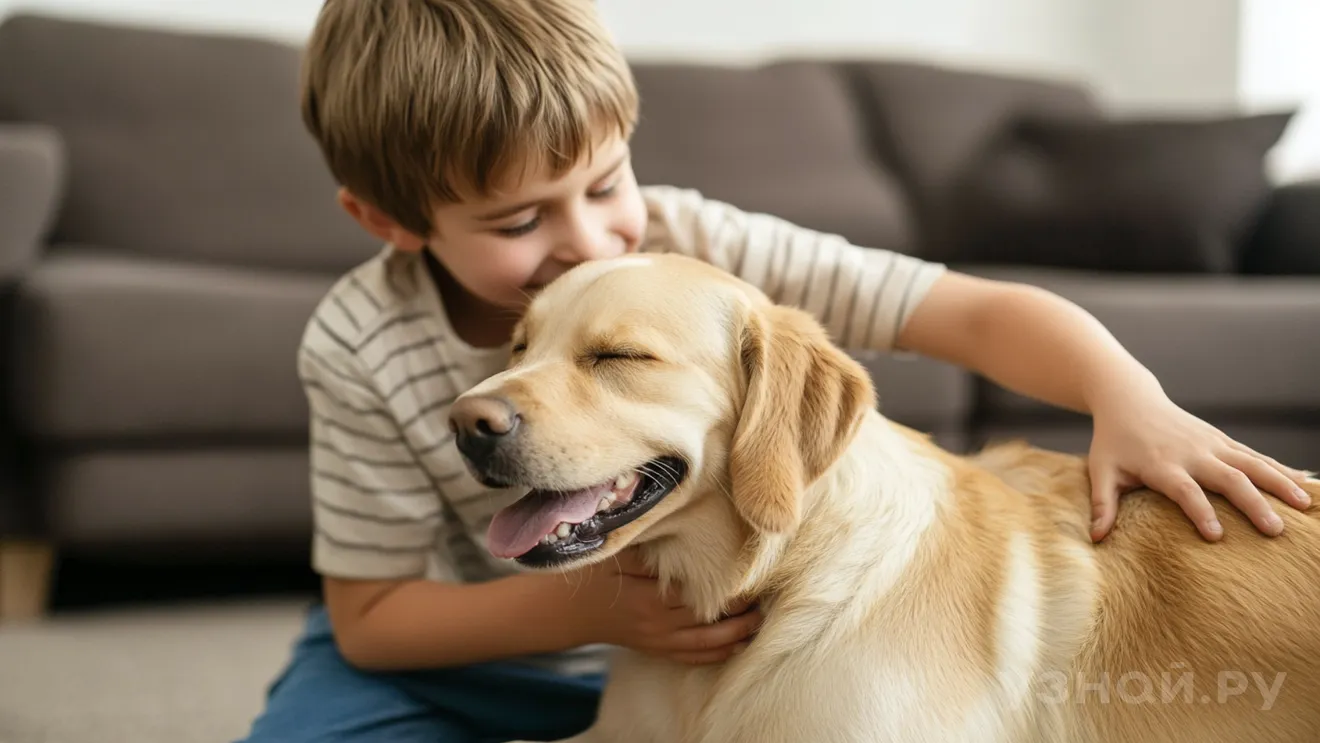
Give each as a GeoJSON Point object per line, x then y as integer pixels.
{"type": "Point", "coordinates": [403, 731]}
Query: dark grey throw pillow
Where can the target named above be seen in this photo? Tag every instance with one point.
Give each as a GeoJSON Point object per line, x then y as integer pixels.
{"type": "Point", "coordinates": [1141, 195]}
{"type": "Point", "coordinates": [1287, 237]}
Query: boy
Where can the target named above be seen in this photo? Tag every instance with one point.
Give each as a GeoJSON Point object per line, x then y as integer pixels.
{"type": "Point", "coordinates": [485, 143]}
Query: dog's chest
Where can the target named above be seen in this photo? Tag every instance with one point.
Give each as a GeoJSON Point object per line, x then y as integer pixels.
{"type": "Point", "coordinates": [851, 693]}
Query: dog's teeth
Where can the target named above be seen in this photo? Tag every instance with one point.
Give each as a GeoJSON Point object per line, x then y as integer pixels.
{"type": "Point", "coordinates": [564, 530]}
{"type": "Point", "coordinates": [604, 504]}
{"type": "Point", "coordinates": [551, 538]}
{"type": "Point", "coordinates": [623, 482]}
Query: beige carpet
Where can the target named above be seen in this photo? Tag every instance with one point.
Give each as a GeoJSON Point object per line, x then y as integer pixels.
{"type": "Point", "coordinates": [193, 674]}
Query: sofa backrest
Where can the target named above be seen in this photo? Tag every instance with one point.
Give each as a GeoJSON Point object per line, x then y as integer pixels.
{"type": "Point", "coordinates": [179, 145]}
{"type": "Point", "coordinates": [784, 138]}
{"type": "Point", "coordinates": [189, 146]}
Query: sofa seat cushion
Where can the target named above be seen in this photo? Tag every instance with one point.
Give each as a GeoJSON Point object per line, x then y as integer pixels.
{"type": "Point", "coordinates": [1218, 344]}
{"type": "Point", "coordinates": [114, 346]}
{"type": "Point", "coordinates": [1292, 441]}
{"type": "Point", "coordinates": [929, 396]}
{"type": "Point", "coordinates": [784, 139]}
{"type": "Point", "coordinates": [243, 500]}
{"type": "Point", "coordinates": [917, 391]}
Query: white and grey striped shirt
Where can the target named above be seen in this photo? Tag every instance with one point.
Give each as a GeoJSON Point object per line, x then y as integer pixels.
{"type": "Point", "coordinates": [381, 365]}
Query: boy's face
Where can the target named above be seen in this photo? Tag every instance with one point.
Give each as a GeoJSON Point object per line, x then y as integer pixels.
{"type": "Point", "coordinates": [503, 249]}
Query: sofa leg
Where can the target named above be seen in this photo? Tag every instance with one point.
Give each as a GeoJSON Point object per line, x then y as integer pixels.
{"type": "Point", "coordinates": [27, 570]}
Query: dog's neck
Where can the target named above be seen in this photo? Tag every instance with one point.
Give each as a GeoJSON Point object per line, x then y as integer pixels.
{"type": "Point", "coordinates": [880, 497]}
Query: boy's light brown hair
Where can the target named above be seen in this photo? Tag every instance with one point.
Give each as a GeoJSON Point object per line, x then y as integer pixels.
{"type": "Point", "coordinates": [417, 103]}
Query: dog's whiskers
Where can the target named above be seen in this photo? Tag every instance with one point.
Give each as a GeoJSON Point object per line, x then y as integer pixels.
{"type": "Point", "coordinates": [661, 471]}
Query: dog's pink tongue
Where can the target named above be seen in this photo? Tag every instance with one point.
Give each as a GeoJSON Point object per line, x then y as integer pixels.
{"type": "Point", "coordinates": [519, 527]}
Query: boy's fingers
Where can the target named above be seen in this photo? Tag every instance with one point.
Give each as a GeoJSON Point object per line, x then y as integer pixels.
{"type": "Point", "coordinates": [709, 656]}
{"type": "Point", "coordinates": [1179, 487]}
{"type": "Point", "coordinates": [1269, 477]}
{"type": "Point", "coordinates": [738, 607]}
{"type": "Point", "coordinates": [718, 635]}
{"type": "Point", "coordinates": [1295, 475]}
{"type": "Point", "coordinates": [1104, 502]}
{"type": "Point", "coordinates": [673, 599]}
{"type": "Point", "coordinates": [1239, 490]}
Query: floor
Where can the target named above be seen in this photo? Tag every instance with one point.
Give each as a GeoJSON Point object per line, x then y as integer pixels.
{"type": "Point", "coordinates": [148, 655]}
{"type": "Point", "coordinates": [170, 674]}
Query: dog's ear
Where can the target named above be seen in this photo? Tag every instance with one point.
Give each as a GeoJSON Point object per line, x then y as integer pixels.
{"type": "Point", "coordinates": [805, 399]}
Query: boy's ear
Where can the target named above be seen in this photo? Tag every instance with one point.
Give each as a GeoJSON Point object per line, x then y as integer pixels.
{"type": "Point", "coordinates": [379, 224]}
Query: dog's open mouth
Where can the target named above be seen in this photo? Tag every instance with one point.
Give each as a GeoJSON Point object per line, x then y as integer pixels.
{"type": "Point", "coordinates": [546, 527]}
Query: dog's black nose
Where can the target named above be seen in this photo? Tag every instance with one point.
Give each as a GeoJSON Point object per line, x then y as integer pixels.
{"type": "Point", "coordinates": [480, 425]}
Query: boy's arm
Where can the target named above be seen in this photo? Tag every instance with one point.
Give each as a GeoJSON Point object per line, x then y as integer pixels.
{"type": "Point", "coordinates": [1038, 344]}
{"type": "Point", "coordinates": [414, 623]}
{"type": "Point", "coordinates": [1027, 340]}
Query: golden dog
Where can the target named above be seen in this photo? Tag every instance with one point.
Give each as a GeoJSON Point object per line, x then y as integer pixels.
{"type": "Point", "coordinates": [910, 595]}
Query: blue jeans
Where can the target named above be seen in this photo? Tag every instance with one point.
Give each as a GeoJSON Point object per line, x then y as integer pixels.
{"type": "Point", "coordinates": [320, 698]}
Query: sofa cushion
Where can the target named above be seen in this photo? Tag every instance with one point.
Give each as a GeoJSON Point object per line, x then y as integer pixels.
{"type": "Point", "coordinates": [783, 139]}
{"type": "Point", "coordinates": [930, 121]}
{"type": "Point", "coordinates": [180, 145]}
{"type": "Point", "coordinates": [1218, 344]}
{"type": "Point", "coordinates": [1292, 441]}
{"type": "Point", "coordinates": [226, 500]}
{"type": "Point", "coordinates": [1167, 194]}
{"type": "Point", "coordinates": [927, 395]}
{"type": "Point", "coordinates": [123, 347]}
{"type": "Point", "coordinates": [1287, 238]}
{"type": "Point", "coordinates": [31, 187]}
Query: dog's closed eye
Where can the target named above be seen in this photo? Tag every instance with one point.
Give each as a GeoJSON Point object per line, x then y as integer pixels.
{"type": "Point", "coordinates": [616, 353]}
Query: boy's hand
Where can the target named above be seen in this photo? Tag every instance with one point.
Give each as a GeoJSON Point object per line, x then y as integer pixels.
{"type": "Point", "coordinates": [1148, 440]}
{"type": "Point", "coordinates": [619, 602]}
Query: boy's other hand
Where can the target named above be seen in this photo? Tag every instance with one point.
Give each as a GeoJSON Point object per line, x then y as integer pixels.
{"type": "Point", "coordinates": [619, 602]}
{"type": "Point", "coordinates": [1148, 440]}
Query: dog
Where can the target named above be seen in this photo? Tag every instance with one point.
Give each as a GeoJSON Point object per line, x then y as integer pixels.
{"type": "Point", "coordinates": [910, 594]}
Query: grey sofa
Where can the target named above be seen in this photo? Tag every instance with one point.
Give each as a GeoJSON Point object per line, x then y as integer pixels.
{"type": "Point", "coordinates": [173, 227]}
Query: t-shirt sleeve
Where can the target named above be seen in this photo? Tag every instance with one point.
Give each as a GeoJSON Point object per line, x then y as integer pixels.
{"type": "Point", "coordinates": [376, 512]}
{"type": "Point", "coordinates": [863, 296]}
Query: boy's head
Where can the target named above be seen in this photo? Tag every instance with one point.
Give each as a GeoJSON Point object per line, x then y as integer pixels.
{"type": "Point", "coordinates": [492, 132]}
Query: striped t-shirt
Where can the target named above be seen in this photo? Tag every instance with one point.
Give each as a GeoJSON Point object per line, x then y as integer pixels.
{"type": "Point", "coordinates": [381, 366]}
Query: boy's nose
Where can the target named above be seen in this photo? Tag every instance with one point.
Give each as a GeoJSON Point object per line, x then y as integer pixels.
{"type": "Point", "coordinates": [480, 424]}
{"type": "Point", "coordinates": [586, 241]}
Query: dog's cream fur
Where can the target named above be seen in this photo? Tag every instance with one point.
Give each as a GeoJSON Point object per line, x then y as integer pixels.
{"type": "Point", "coordinates": [910, 595]}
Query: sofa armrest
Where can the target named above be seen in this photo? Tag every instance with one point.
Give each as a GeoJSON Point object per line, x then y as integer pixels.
{"type": "Point", "coordinates": [1287, 238]}
{"type": "Point", "coordinates": [32, 171]}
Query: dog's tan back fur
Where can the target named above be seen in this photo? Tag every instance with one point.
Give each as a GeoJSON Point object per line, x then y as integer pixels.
{"type": "Point", "coordinates": [910, 594]}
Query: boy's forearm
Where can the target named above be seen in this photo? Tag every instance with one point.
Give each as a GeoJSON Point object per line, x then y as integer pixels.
{"type": "Point", "coordinates": [1032, 342]}
{"type": "Point", "coordinates": [426, 624]}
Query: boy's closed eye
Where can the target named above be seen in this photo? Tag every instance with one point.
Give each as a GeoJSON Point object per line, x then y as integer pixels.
{"type": "Point", "coordinates": [523, 228]}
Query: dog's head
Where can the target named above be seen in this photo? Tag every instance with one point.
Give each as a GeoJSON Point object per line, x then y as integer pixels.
{"type": "Point", "coordinates": [639, 386]}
